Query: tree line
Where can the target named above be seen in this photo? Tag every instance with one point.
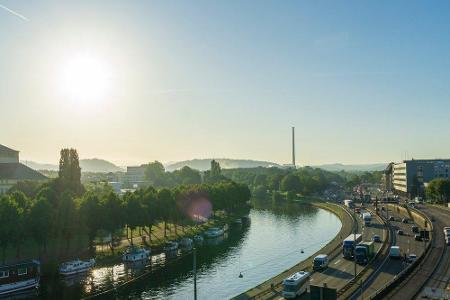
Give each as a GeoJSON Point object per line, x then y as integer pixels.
{"type": "Point", "coordinates": [438, 190]}
{"type": "Point", "coordinates": [63, 208]}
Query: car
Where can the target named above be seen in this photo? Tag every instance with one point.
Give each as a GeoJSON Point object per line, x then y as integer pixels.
{"type": "Point", "coordinates": [405, 220]}
{"type": "Point", "coordinates": [382, 208]}
{"type": "Point", "coordinates": [400, 232]}
{"type": "Point", "coordinates": [391, 218]}
{"type": "Point", "coordinates": [411, 258]}
{"type": "Point", "coordinates": [415, 229]}
{"type": "Point", "coordinates": [418, 237]}
{"type": "Point", "coordinates": [376, 239]}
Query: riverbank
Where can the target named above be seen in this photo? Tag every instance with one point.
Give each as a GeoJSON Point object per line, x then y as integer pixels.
{"type": "Point", "coordinates": [265, 289]}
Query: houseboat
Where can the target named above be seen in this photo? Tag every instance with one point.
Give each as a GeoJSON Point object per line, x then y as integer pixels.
{"type": "Point", "coordinates": [198, 239]}
{"type": "Point", "coordinates": [170, 246]}
{"type": "Point", "coordinates": [76, 266]}
{"type": "Point", "coordinates": [134, 253]}
{"type": "Point", "coordinates": [19, 276]}
{"type": "Point", "coordinates": [213, 232]}
{"type": "Point", "coordinates": [186, 243]}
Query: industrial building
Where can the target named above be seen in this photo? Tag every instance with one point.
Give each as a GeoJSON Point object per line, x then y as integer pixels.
{"type": "Point", "coordinates": [410, 177]}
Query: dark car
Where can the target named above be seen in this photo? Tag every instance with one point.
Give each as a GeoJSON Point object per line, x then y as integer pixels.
{"type": "Point", "coordinates": [415, 229]}
{"type": "Point", "coordinates": [376, 239]}
{"type": "Point", "coordinates": [418, 237]}
{"type": "Point", "coordinates": [391, 218]}
{"type": "Point", "coordinates": [405, 220]}
{"type": "Point", "coordinates": [400, 232]}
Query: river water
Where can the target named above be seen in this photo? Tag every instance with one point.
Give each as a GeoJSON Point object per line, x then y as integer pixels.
{"type": "Point", "coordinates": [269, 245]}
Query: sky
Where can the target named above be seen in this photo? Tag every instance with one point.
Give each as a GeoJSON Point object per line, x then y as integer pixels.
{"type": "Point", "coordinates": [138, 81]}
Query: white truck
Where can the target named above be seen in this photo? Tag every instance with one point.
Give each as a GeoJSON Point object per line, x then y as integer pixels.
{"type": "Point", "coordinates": [348, 203]}
{"type": "Point", "coordinates": [367, 218]}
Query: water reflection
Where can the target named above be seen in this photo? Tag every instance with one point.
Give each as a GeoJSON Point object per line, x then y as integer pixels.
{"type": "Point", "coordinates": [259, 251]}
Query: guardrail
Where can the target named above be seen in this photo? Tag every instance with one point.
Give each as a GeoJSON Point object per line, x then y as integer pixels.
{"type": "Point", "coordinates": [309, 268]}
{"type": "Point", "coordinates": [389, 286]}
{"type": "Point", "coordinates": [352, 282]}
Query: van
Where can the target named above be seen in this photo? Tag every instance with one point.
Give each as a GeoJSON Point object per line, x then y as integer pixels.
{"type": "Point", "coordinates": [320, 262]}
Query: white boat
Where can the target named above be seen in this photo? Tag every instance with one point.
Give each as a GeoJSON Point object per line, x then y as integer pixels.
{"type": "Point", "coordinates": [213, 232]}
{"type": "Point", "coordinates": [238, 221]}
{"type": "Point", "coordinates": [198, 239]}
{"type": "Point", "coordinates": [19, 277]}
{"type": "Point", "coordinates": [76, 266]}
{"type": "Point", "coordinates": [170, 246]}
{"type": "Point", "coordinates": [186, 243]}
{"type": "Point", "coordinates": [134, 253]}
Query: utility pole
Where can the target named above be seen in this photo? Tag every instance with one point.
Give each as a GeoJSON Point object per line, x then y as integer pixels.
{"type": "Point", "coordinates": [195, 272]}
{"type": "Point", "coordinates": [354, 237]}
{"type": "Point", "coordinates": [293, 147]}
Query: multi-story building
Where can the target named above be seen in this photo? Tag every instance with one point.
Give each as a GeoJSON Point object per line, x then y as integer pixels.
{"type": "Point", "coordinates": [411, 176]}
{"type": "Point", "coordinates": [135, 176]}
{"type": "Point", "coordinates": [12, 171]}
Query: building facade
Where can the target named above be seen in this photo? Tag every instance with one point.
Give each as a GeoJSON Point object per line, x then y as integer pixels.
{"type": "Point", "coordinates": [135, 176]}
{"type": "Point", "coordinates": [411, 176]}
{"type": "Point", "coordinates": [12, 171]}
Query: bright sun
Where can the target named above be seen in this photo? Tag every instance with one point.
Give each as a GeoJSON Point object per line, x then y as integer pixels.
{"type": "Point", "coordinates": [85, 79]}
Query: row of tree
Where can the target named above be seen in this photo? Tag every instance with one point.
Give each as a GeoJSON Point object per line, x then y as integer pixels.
{"type": "Point", "coordinates": [63, 209]}
{"type": "Point", "coordinates": [438, 190]}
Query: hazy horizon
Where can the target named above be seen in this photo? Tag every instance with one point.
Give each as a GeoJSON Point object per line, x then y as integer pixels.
{"type": "Point", "coordinates": [132, 82]}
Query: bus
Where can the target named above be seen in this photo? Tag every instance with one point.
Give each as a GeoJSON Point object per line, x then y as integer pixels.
{"type": "Point", "coordinates": [296, 284]}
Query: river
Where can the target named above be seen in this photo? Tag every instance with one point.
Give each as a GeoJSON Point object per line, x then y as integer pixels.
{"type": "Point", "coordinates": [269, 245]}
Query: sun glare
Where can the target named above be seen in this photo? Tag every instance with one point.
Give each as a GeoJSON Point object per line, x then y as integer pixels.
{"type": "Point", "coordinates": [85, 79]}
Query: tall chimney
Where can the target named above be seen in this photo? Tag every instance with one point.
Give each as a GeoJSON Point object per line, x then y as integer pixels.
{"type": "Point", "coordinates": [293, 147]}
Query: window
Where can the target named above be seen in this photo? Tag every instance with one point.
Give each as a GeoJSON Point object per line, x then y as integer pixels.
{"type": "Point", "coordinates": [4, 274]}
{"type": "Point", "coordinates": [22, 271]}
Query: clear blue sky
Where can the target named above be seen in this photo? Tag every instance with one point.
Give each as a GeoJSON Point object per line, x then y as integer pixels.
{"type": "Point", "coordinates": [362, 81]}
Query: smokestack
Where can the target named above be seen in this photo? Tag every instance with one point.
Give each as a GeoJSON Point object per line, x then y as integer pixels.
{"type": "Point", "coordinates": [293, 146]}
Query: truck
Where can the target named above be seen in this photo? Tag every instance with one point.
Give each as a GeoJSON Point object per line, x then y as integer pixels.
{"type": "Point", "coordinates": [394, 252]}
{"type": "Point", "coordinates": [348, 203]}
{"type": "Point", "coordinates": [364, 252]}
{"type": "Point", "coordinates": [349, 244]}
{"type": "Point", "coordinates": [320, 262]}
{"type": "Point", "coordinates": [367, 217]}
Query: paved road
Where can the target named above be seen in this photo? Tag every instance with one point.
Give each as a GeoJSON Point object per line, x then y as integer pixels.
{"type": "Point", "coordinates": [341, 270]}
{"type": "Point", "coordinates": [441, 275]}
{"type": "Point", "coordinates": [391, 267]}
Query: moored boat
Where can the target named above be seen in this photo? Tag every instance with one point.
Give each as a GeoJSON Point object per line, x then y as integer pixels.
{"type": "Point", "coordinates": [19, 276]}
{"type": "Point", "coordinates": [134, 253]}
{"type": "Point", "coordinates": [170, 246]}
{"type": "Point", "coordinates": [198, 239]}
{"type": "Point", "coordinates": [76, 266]}
{"type": "Point", "coordinates": [186, 243]}
{"type": "Point", "coordinates": [213, 232]}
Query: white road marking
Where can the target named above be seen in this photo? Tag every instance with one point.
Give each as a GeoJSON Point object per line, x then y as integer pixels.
{"type": "Point", "coordinates": [337, 262]}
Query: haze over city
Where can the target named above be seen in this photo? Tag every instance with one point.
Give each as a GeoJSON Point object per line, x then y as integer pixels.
{"type": "Point", "coordinates": [140, 81]}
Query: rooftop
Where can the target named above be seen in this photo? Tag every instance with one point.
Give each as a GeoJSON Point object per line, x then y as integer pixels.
{"type": "Point", "coordinates": [6, 149]}
{"type": "Point", "coordinates": [18, 171]}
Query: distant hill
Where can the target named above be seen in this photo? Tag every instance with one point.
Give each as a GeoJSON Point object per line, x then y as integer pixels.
{"type": "Point", "coordinates": [353, 168]}
{"type": "Point", "coordinates": [225, 163]}
{"type": "Point", "coordinates": [87, 165]}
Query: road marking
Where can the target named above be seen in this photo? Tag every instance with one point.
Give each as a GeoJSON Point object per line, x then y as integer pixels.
{"type": "Point", "coordinates": [337, 262]}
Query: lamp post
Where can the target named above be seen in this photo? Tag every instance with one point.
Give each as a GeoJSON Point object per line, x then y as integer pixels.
{"type": "Point", "coordinates": [195, 272]}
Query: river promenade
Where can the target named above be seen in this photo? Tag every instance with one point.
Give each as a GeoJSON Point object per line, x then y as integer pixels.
{"type": "Point", "coordinates": [265, 289]}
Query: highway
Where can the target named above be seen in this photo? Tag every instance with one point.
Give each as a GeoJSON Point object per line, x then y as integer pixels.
{"type": "Point", "coordinates": [434, 271]}
{"type": "Point", "coordinates": [441, 275]}
{"type": "Point", "coordinates": [388, 268]}
{"type": "Point", "coordinates": [341, 270]}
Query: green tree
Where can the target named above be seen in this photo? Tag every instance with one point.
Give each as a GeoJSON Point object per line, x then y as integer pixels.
{"type": "Point", "coordinates": [10, 217]}
{"type": "Point", "coordinates": [291, 182]}
{"type": "Point", "coordinates": [113, 215]}
{"type": "Point", "coordinates": [165, 206]}
{"type": "Point", "coordinates": [90, 214]}
{"type": "Point", "coordinates": [40, 222]}
{"type": "Point", "coordinates": [155, 173]}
